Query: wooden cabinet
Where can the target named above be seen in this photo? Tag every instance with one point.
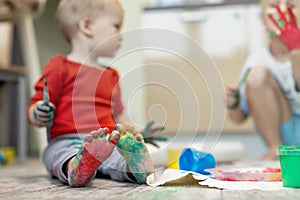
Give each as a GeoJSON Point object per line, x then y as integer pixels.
{"type": "Point", "coordinates": [227, 34]}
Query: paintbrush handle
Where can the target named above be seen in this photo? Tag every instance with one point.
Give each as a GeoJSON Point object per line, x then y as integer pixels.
{"type": "Point", "coordinates": [243, 79]}
{"type": "Point", "coordinates": [46, 102]}
{"type": "Point", "coordinates": [46, 93]}
{"type": "Point", "coordinates": [236, 94]}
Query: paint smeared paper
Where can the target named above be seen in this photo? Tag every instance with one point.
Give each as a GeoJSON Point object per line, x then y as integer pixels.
{"type": "Point", "coordinates": [182, 178]}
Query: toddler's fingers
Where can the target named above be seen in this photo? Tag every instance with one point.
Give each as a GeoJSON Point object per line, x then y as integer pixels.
{"type": "Point", "coordinates": [293, 20]}
{"type": "Point", "coordinates": [46, 118]}
{"type": "Point", "coordinates": [271, 17]}
{"type": "Point", "coordinates": [43, 124]}
{"type": "Point", "coordinates": [46, 108]}
{"type": "Point", "coordinates": [281, 14]}
{"type": "Point", "coordinates": [42, 114]}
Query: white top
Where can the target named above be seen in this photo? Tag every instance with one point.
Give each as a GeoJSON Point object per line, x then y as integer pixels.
{"type": "Point", "coordinates": [282, 72]}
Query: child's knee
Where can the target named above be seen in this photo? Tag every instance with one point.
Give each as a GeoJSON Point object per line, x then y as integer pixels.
{"type": "Point", "coordinates": [258, 77]}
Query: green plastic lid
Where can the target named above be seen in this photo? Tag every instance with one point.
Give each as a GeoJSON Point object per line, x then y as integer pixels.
{"type": "Point", "coordinates": [288, 150]}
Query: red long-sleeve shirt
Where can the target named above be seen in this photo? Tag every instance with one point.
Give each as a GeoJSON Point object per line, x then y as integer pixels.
{"type": "Point", "coordinates": [85, 98]}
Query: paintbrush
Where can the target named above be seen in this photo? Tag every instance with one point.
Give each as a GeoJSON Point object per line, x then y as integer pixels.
{"type": "Point", "coordinates": [46, 102]}
{"type": "Point", "coordinates": [149, 135]}
{"type": "Point", "coordinates": [236, 94]}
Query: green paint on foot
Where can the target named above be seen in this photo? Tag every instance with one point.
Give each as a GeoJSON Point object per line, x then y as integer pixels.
{"type": "Point", "coordinates": [133, 148]}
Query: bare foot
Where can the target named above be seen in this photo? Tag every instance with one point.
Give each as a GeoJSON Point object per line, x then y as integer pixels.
{"type": "Point", "coordinates": [133, 148]}
{"type": "Point", "coordinates": [270, 155]}
{"type": "Point", "coordinates": [95, 150]}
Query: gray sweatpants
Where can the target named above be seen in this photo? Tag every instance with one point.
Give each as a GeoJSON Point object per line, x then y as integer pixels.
{"type": "Point", "coordinates": [62, 149]}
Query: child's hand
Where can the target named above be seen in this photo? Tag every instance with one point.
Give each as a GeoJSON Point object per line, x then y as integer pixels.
{"type": "Point", "coordinates": [43, 114]}
{"type": "Point", "coordinates": [289, 32]}
{"type": "Point", "coordinates": [232, 98]}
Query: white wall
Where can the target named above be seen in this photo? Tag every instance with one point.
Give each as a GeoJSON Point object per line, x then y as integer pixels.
{"type": "Point", "coordinates": [134, 98]}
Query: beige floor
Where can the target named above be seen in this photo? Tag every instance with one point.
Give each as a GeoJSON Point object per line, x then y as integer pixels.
{"type": "Point", "coordinates": [30, 181]}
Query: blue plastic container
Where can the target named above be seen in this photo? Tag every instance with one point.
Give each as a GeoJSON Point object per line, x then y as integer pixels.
{"type": "Point", "coordinates": [193, 160]}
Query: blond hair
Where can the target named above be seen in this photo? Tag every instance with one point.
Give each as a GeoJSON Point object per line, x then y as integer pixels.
{"type": "Point", "coordinates": [70, 12]}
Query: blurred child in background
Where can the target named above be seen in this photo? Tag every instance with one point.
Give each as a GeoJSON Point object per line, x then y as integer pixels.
{"type": "Point", "coordinates": [270, 93]}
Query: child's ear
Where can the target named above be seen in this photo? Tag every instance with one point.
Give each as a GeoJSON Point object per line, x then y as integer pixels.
{"type": "Point", "coordinates": [85, 27]}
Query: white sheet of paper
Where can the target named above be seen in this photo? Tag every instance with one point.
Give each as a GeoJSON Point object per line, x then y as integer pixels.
{"type": "Point", "coordinates": [169, 175]}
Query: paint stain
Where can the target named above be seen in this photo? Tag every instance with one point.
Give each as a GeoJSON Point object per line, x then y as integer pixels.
{"type": "Point", "coordinates": [163, 194]}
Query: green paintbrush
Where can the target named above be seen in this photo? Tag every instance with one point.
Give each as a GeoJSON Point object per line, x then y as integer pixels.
{"type": "Point", "coordinates": [236, 94]}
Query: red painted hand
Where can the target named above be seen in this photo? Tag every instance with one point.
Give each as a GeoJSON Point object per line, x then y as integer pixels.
{"type": "Point", "coordinates": [289, 31]}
